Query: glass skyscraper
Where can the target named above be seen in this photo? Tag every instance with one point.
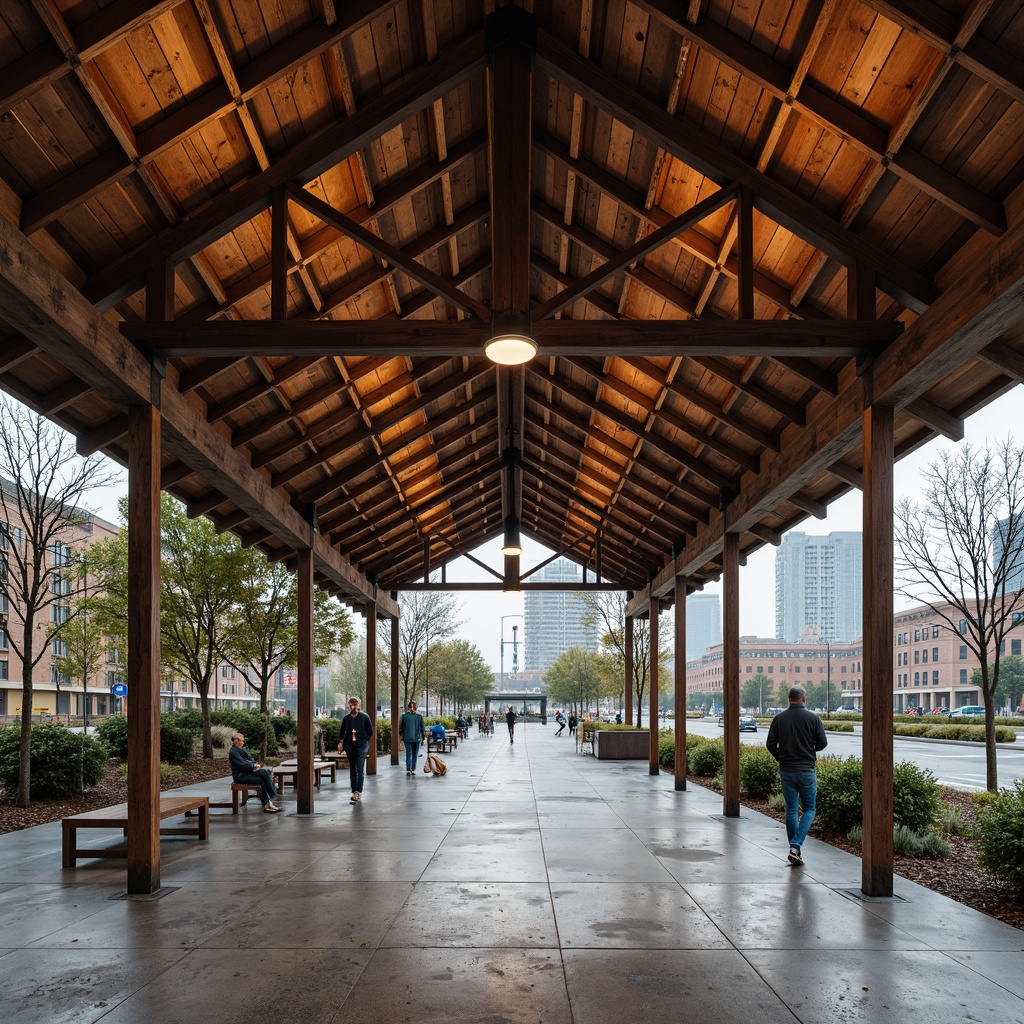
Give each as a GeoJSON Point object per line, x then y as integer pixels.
{"type": "Point", "coordinates": [552, 619]}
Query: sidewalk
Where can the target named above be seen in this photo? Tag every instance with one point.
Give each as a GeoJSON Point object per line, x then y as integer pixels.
{"type": "Point", "coordinates": [530, 884]}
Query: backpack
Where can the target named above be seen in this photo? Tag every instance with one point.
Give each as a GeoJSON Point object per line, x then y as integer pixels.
{"type": "Point", "coordinates": [434, 764]}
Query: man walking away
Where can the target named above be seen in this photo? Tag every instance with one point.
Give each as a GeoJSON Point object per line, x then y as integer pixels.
{"type": "Point", "coordinates": [510, 721]}
{"type": "Point", "coordinates": [413, 732]}
{"type": "Point", "coordinates": [794, 739]}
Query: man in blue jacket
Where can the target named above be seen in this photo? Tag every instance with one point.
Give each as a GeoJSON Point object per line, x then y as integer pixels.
{"type": "Point", "coordinates": [794, 739]}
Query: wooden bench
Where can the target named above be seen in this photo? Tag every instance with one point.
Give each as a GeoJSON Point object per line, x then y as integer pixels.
{"type": "Point", "coordinates": [290, 771]}
{"type": "Point", "coordinates": [241, 790]}
{"type": "Point", "coordinates": [446, 745]}
{"type": "Point", "coordinates": [117, 817]}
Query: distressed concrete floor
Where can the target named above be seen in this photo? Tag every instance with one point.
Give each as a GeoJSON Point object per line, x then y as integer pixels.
{"type": "Point", "coordinates": [530, 884]}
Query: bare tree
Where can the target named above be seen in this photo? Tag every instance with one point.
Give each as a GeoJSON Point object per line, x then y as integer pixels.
{"type": "Point", "coordinates": [960, 549]}
{"type": "Point", "coordinates": [424, 617]}
{"type": "Point", "coordinates": [607, 610]}
{"type": "Point", "coordinates": [43, 484]}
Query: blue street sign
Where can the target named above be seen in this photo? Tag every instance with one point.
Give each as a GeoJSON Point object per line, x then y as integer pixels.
{"type": "Point", "coordinates": [120, 689]}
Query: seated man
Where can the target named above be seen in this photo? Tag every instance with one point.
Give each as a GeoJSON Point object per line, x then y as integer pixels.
{"type": "Point", "coordinates": [461, 727]}
{"type": "Point", "coordinates": [245, 769]}
{"type": "Point", "coordinates": [438, 734]}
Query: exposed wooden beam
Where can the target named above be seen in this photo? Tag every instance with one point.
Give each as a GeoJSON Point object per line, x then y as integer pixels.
{"type": "Point", "coordinates": [938, 419]}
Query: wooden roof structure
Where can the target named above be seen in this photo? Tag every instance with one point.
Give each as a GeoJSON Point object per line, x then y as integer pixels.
{"type": "Point", "coordinates": [728, 226]}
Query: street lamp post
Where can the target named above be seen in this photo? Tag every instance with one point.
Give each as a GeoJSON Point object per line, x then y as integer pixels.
{"type": "Point", "coordinates": [828, 680]}
{"type": "Point", "coordinates": [515, 648]}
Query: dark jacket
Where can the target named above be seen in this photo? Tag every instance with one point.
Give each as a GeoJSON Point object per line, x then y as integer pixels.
{"type": "Point", "coordinates": [361, 726]}
{"type": "Point", "coordinates": [241, 762]}
{"type": "Point", "coordinates": [794, 737]}
{"type": "Point", "coordinates": [411, 727]}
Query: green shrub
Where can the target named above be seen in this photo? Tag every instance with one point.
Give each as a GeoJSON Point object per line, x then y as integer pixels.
{"type": "Point", "coordinates": [706, 758]}
{"type": "Point", "coordinates": [759, 772]}
{"type": "Point", "coordinates": [951, 820]}
{"type": "Point", "coordinates": [906, 842]}
{"type": "Point", "coordinates": [383, 734]}
{"type": "Point", "coordinates": [667, 750]}
{"type": "Point", "coordinates": [184, 718]}
{"type": "Point", "coordinates": [252, 724]}
{"type": "Point", "coordinates": [61, 763]}
{"type": "Point", "coordinates": [777, 802]}
{"type": "Point", "coordinates": [840, 795]}
{"type": "Point", "coordinates": [915, 797]}
{"type": "Point", "coordinates": [1001, 826]}
{"type": "Point", "coordinates": [113, 734]}
{"type": "Point", "coordinates": [331, 729]}
{"type": "Point", "coordinates": [935, 846]}
{"type": "Point", "coordinates": [838, 726]}
{"type": "Point", "coordinates": [856, 834]}
{"type": "Point", "coordinates": [176, 744]}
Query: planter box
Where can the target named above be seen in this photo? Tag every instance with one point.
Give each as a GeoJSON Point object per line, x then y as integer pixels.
{"type": "Point", "coordinates": [622, 745]}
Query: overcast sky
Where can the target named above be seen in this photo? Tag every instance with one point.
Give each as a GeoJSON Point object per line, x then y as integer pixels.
{"type": "Point", "coordinates": [484, 612]}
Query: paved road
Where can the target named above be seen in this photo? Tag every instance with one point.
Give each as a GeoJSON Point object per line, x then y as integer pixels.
{"type": "Point", "coordinates": [953, 764]}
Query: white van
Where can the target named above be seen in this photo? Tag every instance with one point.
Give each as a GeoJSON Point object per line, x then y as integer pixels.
{"type": "Point", "coordinates": [968, 711]}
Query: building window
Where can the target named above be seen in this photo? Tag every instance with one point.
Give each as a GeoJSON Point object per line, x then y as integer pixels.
{"type": "Point", "coordinates": [935, 654]}
{"type": "Point", "coordinates": [917, 657]}
{"type": "Point", "coordinates": [771, 670]}
{"type": "Point", "coordinates": [963, 653]}
{"type": "Point", "coordinates": [59, 649]}
{"type": "Point", "coordinates": [1015, 647]}
{"type": "Point", "coordinates": [3, 670]}
{"type": "Point", "coordinates": [935, 678]}
{"type": "Point", "coordinates": [924, 656]}
{"type": "Point", "coordinates": [750, 668]}
{"type": "Point", "coordinates": [917, 635]}
{"type": "Point", "coordinates": [963, 677]}
{"type": "Point", "coordinates": [935, 632]}
{"type": "Point", "coordinates": [3, 640]}
{"type": "Point", "coordinates": [917, 678]}
{"type": "Point", "coordinates": [963, 627]}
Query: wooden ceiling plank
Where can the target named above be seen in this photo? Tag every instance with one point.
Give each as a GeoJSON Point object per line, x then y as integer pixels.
{"type": "Point", "coordinates": [115, 22]}
{"type": "Point", "coordinates": [845, 472]}
{"type": "Point", "coordinates": [36, 70]}
{"type": "Point", "coordinates": [817, 376]}
{"type": "Point", "coordinates": [16, 350]}
{"type": "Point", "coordinates": [301, 163]}
{"type": "Point", "coordinates": [1004, 359]}
{"type": "Point", "coordinates": [835, 117]}
{"type": "Point", "coordinates": [727, 372]}
{"type": "Point", "coordinates": [719, 164]}
{"type": "Point", "coordinates": [635, 252]}
{"type": "Point", "coordinates": [386, 251]}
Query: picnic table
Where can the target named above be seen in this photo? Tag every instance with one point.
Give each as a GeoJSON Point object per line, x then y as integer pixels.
{"type": "Point", "coordinates": [450, 741]}
{"type": "Point", "coordinates": [290, 770]}
{"type": "Point", "coordinates": [116, 816]}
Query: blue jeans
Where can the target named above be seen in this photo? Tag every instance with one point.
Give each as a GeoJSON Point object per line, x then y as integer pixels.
{"type": "Point", "coordinates": [412, 751]}
{"type": "Point", "coordinates": [802, 786]}
{"type": "Point", "coordinates": [261, 778]}
{"type": "Point", "coordinates": [357, 767]}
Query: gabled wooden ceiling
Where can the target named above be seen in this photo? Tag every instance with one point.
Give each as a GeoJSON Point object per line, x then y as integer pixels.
{"type": "Point", "coordinates": [730, 226]}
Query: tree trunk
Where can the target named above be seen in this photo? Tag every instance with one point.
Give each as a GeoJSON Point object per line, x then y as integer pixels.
{"type": "Point", "coordinates": [991, 769]}
{"type": "Point", "coordinates": [25, 746]}
{"type": "Point", "coordinates": [204, 703]}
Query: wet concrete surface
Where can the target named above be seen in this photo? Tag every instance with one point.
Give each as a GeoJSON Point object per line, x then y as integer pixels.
{"type": "Point", "coordinates": [531, 884]}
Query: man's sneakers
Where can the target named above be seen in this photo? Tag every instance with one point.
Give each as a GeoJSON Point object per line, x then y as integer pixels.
{"type": "Point", "coordinates": [354, 798]}
{"type": "Point", "coordinates": [794, 857]}
{"type": "Point", "coordinates": [271, 809]}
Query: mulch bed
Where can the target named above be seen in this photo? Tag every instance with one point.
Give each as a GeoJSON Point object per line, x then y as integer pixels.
{"type": "Point", "coordinates": [960, 878]}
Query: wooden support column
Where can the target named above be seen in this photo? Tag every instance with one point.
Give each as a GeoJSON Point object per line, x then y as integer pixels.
{"type": "Point", "coordinates": [371, 684]}
{"type": "Point", "coordinates": [396, 711]}
{"type": "Point", "coordinates": [143, 649]}
{"type": "Point", "coordinates": [304, 752]}
{"type": "Point", "coordinates": [680, 682]}
{"type": "Point", "coordinates": [876, 850]}
{"type": "Point", "coordinates": [731, 673]}
{"type": "Point", "coordinates": [653, 766]}
{"type": "Point", "coordinates": [627, 686]}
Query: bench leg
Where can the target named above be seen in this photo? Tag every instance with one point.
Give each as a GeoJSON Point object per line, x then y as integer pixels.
{"type": "Point", "coordinates": [204, 822]}
{"type": "Point", "coordinates": [69, 838]}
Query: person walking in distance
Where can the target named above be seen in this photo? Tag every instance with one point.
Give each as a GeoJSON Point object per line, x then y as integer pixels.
{"type": "Point", "coordinates": [356, 733]}
{"type": "Point", "coordinates": [794, 739]}
{"type": "Point", "coordinates": [560, 719]}
{"type": "Point", "coordinates": [510, 721]}
{"type": "Point", "coordinates": [413, 732]}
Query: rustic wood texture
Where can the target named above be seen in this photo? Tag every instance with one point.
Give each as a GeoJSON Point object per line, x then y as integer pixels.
{"type": "Point", "coordinates": [679, 683]}
{"type": "Point", "coordinates": [304, 782]}
{"type": "Point", "coordinates": [731, 673]}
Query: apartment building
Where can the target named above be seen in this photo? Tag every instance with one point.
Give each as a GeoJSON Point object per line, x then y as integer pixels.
{"type": "Point", "coordinates": [552, 621]}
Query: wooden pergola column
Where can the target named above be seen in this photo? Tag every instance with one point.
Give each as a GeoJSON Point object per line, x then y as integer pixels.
{"type": "Point", "coordinates": [304, 742]}
{"type": "Point", "coordinates": [627, 644]}
{"type": "Point", "coordinates": [655, 611]}
{"type": "Point", "coordinates": [679, 655]}
{"type": "Point", "coordinates": [371, 683]}
{"type": "Point", "coordinates": [143, 649]}
{"type": "Point", "coordinates": [877, 849]}
{"type": "Point", "coordinates": [396, 711]}
{"type": "Point", "coordinates": [731, 673]}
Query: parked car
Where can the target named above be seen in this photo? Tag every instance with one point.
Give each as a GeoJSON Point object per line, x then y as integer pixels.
{"type": "Point", "coordinates": [748, 723]}
{"type": "Point", "coordinates": [968, 711]}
